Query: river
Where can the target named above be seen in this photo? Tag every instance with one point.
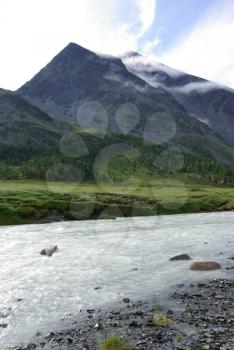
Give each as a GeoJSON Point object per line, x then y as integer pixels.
{"type": "Point", "coordinates": [100, 262]}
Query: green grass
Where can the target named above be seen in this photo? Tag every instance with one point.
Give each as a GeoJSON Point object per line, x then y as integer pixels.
{"type": "Point", "coordinates": [114, 342]}
{"type": "Point", "coordinates": [180, 338]}
{"type": "Point", "coordinates": [163, 320]}
{"type": "Point", "coordinates": [24, 202]}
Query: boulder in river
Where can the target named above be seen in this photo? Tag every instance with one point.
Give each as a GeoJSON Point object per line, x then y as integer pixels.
{"type": "Point", "coordinates": [180, 257]}
{"type": "Point", "coordinates": [49, 251]}
{"type": "Point", "coordinates": [3, 325]}
{"type": "Point", "coordinates": [205, 266]}
{"type": "Point", "coordinates": [126, 300]}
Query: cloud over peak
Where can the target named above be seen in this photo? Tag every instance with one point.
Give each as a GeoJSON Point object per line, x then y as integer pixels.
{"type": "Point", "coordinates": [147, 12]}
{"type": "Point", "coordinates": [208, 49]}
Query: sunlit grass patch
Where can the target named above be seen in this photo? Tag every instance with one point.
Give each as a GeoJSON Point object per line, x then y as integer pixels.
{"type": "Point", "coordinates": [115, 342]}
{"type": "Point", "coordinates": [180, 338]}
{"type": "Point", "coordinates": [31, 201]}
{"type": "Point", "coordinates": [163, 320]}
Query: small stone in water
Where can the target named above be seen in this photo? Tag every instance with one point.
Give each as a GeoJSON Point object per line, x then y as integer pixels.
{"type": "Point", "coordinates": [3, 325]}
{"type": "Point", "coordinates": [133, 324]}
{"type": "Point", "coordinates": [180, 257]}
{"type": "Point", "coordinates": [126, 300]}
{"type": "Point", "coordinates": [98, 326]}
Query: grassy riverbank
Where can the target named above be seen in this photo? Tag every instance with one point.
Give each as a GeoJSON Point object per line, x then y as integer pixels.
{"type": "Point", "coordinates": [23, 202]}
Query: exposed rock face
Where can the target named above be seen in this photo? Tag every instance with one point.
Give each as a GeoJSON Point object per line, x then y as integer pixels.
{"type": "Point", "coordinates": [208, 102]}
{"type": "Point", "coordinates": [180, 257]}
{"type": "Point", "coordinates": [99, 91]}
{"type": "Point", "coordinates": [205, 266]}
{"type": "Point", "coordinates": [77, 76]}
{"type": "Point", "coordinates": [49, 251]}
{"type": "Point", "coordinates": [22, 123]}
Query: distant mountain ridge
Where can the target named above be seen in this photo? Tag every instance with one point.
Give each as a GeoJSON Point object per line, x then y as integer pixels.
{"type": "Point", "coordinates": [81, 86]}
{"type": "Point", "coordinates": [208, 102]}
{"type": "Point", "coordinates": [77, 75]}
{"type": "Point", "coordinates": [83, 104]}
{"type": "Point", "coordinates": [22, 123]}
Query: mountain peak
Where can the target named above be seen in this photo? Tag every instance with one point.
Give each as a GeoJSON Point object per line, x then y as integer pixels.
{"type": "Point", "coordinates": [75, 51]}
{"type": "Point", "coordinates": [130, 54]}
{"type": "Point", "coordinates": [75, 46]}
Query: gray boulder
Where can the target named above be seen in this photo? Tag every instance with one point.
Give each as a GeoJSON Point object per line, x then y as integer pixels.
{"type": "Point", "coordinates": [49, 251]}
{"type": "Point", "coordinates": [180, 257]}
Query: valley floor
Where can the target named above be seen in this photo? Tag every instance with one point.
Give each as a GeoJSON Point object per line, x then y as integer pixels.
{"type": "Point", "coordinates": [26, 202]}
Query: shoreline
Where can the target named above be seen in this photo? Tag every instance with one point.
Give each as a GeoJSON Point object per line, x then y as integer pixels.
{"type": "Point", "coordinates": [62, 219]}
{"type": "Point", "coordinates": [195, 316]}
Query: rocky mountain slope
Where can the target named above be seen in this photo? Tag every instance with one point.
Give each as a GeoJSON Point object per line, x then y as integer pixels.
{"type": "Point", "coordinates": [22, 123]}
{"type": "Point", "coordinates": [99, 92]}
{"type": "Point", "coordinates": [77, 76]}
{"type": "Point", "coordinates": [206, 101]}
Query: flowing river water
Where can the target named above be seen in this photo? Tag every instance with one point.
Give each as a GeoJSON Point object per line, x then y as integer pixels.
{"type": "Point", "coordinates": [99, 263]}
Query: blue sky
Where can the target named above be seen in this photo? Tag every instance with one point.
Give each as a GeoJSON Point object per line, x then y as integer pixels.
{"type": "Point", "coordinates": [198, 37]}
{"type": "Point", "coordinates": [195, 36]}
{"type": "Point", "coordinates": [176, 17]}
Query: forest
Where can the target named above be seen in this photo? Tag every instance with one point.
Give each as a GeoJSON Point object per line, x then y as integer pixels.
{"type": "Point", "coordinates": [113, 158]}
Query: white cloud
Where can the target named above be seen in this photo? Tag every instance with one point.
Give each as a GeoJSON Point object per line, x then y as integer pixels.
{"type": "Point", "coordinates": [150, 45]}
{"type": "Point", "coordinates": [201, 87]}
{"type": "Point", "coordinates": [32, 32]}
{"type": "Point", "coordinates": [147, 14]}
{"type": "Point", "coordinates": [149, 64]}
{"type": "Point", "coordinates": [144, 66]}
{"type": "Point", "coordinates": [208, 50]}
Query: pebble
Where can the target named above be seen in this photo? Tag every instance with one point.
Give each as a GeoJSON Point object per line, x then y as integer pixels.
{"type": "Point", "coordinates": [126, 300]}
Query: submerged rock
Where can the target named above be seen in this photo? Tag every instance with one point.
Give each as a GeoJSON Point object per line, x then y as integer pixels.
{"type": "Point", "coordinates": [49, 251]}
{"type": "Point", "coordinates": [133, 323]}
{"type": "Point", "coordinates": [126, 300]}
{"type": "Point", "coordinates": [180, 257]}
{"type": "Point", "coordinates": [205, 266]}
{"type": "Point", "coordinates": [3, 325]}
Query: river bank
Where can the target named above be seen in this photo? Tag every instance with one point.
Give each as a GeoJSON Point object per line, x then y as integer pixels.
{"type": "Point", "coordinates": [194, 317]}
{"type": "Point", "coordinates": [39, 202]}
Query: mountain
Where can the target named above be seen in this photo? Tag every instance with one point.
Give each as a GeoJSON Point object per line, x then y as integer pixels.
{"type": "Point", "coordinates": [104, 92]}
{"type": "Point", "coordinates": [23, 123]}
{"type": "Point", "coordinates": [206, 101]}
{"type": "Point", "coordinates": [77, 76]}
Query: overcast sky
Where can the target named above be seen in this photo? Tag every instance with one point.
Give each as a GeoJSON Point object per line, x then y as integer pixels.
{"type": "Point", "coordinates": [196, 36]}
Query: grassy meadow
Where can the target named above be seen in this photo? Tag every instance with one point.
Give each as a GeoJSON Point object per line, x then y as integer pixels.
{"type": "Point", "coordinates": [41, 184]}
{"type": "Point", "coordinates": [24, 202]}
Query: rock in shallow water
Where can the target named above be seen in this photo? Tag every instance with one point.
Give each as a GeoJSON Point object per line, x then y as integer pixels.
{"type": "Point", "coordinates": [180, 257]}
{"type": "Point", "coordinates": [49, 251]}
{"type": "Point", "coordinates": [126, 300]}
{"type": "Point", "coordinates": [3, 325]}
{"type": "Point", "coordinates": [205, 266]}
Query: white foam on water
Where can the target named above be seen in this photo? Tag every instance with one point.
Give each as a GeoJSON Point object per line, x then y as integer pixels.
{"type": "Point", "coordinates": [100, 253]}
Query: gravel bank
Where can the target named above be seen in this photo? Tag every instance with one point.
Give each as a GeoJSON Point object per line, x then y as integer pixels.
{"type": "Point", "coordinates": [196, 316]}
